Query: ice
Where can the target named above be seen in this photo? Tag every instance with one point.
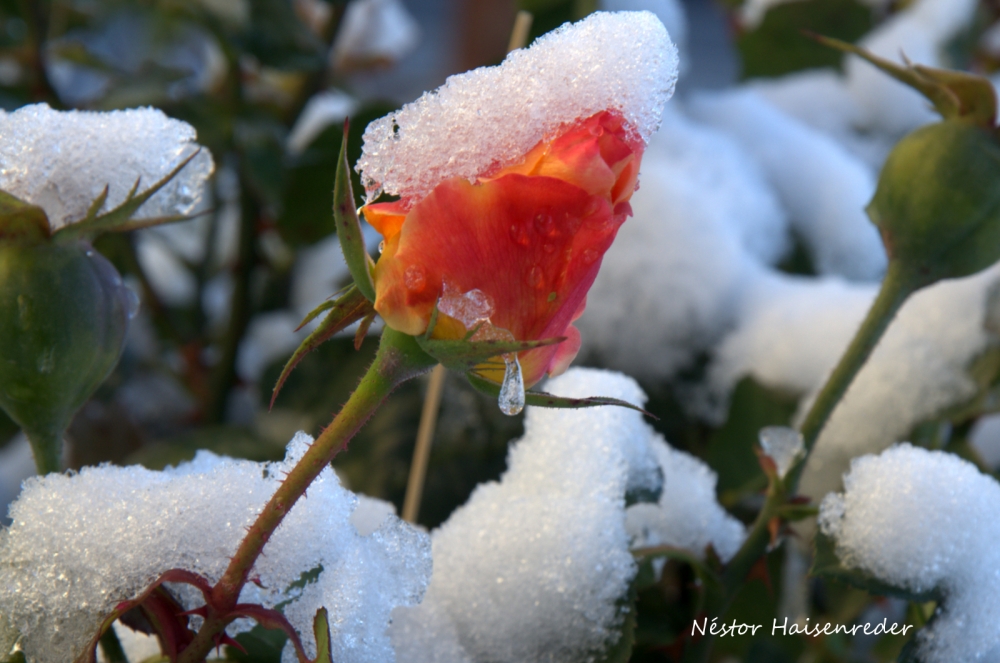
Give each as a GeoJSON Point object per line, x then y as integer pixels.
{"type": "Point", "coordinates": [490, 117]}
{"type": "Point", "coordinates": [670, 284]}
{"type": "Point", "coordinates": [783, 445]}
{"type": "Point", "coordinates": [81, 543]}
{"type": "Point", "coordinates": [62, 160]}
{"type": "Point", "coordinates": [511, 397]}
{"type": "Point", "coordinates": [687, 514]}
{"type": "Point", "coordinates": [534, 568]}
{"type": "Point", "coordinates": [822, 186]}
{"type": "Point", "coordinates": [926, 520]}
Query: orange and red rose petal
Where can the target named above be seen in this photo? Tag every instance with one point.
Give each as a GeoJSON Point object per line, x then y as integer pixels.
{"type": "Point", "coordinates": [532, 244]}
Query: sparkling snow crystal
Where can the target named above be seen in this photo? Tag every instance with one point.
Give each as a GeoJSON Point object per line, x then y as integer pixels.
{"type": "Point", "coordinates": [79, 544]}
{"type": "Point", "coordinates": [926, 520]}
{"type": "Point", "coordinates": [490, 117]}
{"type": "Point", "coordinates": [61, 161]}
{"type": "Point", "coordinates": [533, 568]}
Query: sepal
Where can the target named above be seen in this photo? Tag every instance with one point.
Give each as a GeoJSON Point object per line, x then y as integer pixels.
{"type": "Point", "coordinates": [955, 94]}
{"type": "Point", "coordinates": [345, 215]}
{"type": "Point", "coordinates": [542, 399]}
{"type": "Point", "coordinates": [348, 309]}
{"type": "Point", "coordinates": [120, 219]}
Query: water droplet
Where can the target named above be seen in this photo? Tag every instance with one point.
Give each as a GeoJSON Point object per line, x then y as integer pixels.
{"type": "Point", "coordinates": [372, 191]}
{"type": "Point", "coordinates": [549, 247]}
{"type": "Point", "coordinates": [589, 256]}
{"type": "Point", "coordinates": [519, 233]}
{"type": "Point", "coordinates": [536, 278]}
{"type": "Point", "coordinates": [131, 302]}
{"type": "Point", "coordinates": [545, 225]}
{"type": "Point", "coordinates": [381, 247]}
{"type": "Point", "coordinates": [593, 207]}
{"type": "Point", "coordinates": [511, 399]}
{"type": "Point", "coordinates": [415, 278]}
{"type": "Point", "coordinates": [597, 130]}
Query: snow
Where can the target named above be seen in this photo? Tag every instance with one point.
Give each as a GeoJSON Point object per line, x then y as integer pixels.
{"type": "Point", "coordinates": [375, 31]}
{"type": "Point", "coordinates": [687, 514]}
{"type": "Point", "coordinates": [783, 445]}
{"type": "Point", "coordinates": [535, 567]}
{"type": "Point", "coordinates": [62, 160]}
{"type": "Point", "coordinates": [926, 520]}
{"type": "Point", "coordinates": [490, 117]}
{"type": "Point", "coordinates": [668, 288]}
{"type": "Point", "coordinates": [918, 370]}
{"type": "Point", "coordinates": [823, 187]}
{"type": "Point", "coordinates": [81, 543]}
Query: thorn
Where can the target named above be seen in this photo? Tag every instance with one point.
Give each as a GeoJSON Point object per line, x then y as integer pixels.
{"type": "Point", "coordinates": [774, 528]}
{"type": "Point", "coordinates": [759, 571]}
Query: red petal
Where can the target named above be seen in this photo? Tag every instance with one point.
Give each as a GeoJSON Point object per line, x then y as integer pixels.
{"type": "Point", "coordinates": [532, 244]}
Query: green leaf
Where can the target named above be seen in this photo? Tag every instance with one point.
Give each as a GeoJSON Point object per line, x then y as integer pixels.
{"type": "Point", "coordinates": [542, 399]}
{"type": "Point", "coordinates": [352, 241]}
{"type": "Point", "coordinates": [777, 47]}
{"type": "Point", "coordinates": [21, 221]}
{"type": "Point", "coordinates": [321, 630]}
{"type": "Point", "coordinates": [827, 564]}
{"type": "Point", "coordinates": [120, 218]}
{"type": "Point", "coordinates": [352, 306]}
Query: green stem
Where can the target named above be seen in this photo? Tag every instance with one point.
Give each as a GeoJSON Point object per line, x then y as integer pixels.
{"type": "Point", "coordinates": [47, 448]}
{"type": "Point", "coordinates": [898, 285]}
{"type": "Point", "coordinates": [112, 648]}
{"type": "Point", "coordinates": [399, 358]}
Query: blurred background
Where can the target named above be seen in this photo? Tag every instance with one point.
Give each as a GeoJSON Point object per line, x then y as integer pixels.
{"type": "Point", "coordinates": [267, 84]}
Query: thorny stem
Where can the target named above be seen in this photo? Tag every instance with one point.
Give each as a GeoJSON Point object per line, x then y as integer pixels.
{"type": "Point", "coordinates": [898, 285]}
{"type": "Point", "coordinates": [398, 359]}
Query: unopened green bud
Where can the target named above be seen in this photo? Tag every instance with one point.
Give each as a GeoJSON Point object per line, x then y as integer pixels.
{"type": "Point", "coordinates": [64, 314]}
{"type": "Point", "coordinates": [937, 204]}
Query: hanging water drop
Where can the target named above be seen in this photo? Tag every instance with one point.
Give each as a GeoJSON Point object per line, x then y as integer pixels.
{"type": "Point", "coordinates": [511, 399]}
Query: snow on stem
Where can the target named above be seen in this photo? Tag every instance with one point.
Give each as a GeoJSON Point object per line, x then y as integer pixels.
{"type": "Point", "coordinates": [398, 359]}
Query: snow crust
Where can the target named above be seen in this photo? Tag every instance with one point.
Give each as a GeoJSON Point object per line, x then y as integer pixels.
{"type": "Point", "coordinates": [926, 520]}
{"type": "Point", "coordinates": [62, 160]}
{"type": "Point", "coordinates": [490, 117]}
{"type": "Point", "coordinates": [81, 543]}
{"type": "Point", "coordinates": [535, 567]}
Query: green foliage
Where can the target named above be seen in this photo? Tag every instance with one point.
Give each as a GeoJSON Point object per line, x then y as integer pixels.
{"type": "Point", "coordinates": [777, 46]}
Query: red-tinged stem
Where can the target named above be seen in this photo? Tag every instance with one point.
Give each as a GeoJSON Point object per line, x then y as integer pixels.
{"type": "Point", "coordinates": [399, 358]}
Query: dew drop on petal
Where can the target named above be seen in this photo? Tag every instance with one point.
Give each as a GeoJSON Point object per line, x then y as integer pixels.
{"type": "Point", "coordinates": [381, 247]}
{"type": "Point", "coordinates": [415, 278]}
{"type": "Point", "coordinates": [589, 256]}
{"type": "Point", "coordinates": [545, 225]}
{"type": "Point", "coordinates": [519, 233]}
{"type": "Point", "coordinates": [549, 247]}
{"type": "Point", "coordinates": [511, 398]}
{"type": "Point", "coordinates": [536, 278]}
